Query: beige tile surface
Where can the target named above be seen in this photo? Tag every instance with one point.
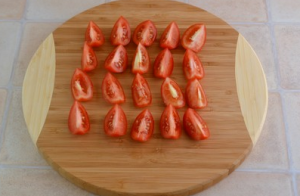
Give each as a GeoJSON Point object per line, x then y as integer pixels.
{"type": "Point", "coordinates": [12, 9]}
{"type": "Point", "coordinates": [252, 184]}
{"type": "Point", "coordinates": [235, 11]}
{"type": "Point", "coordinates": [9, 41]}
{"type": "Point", "coordinates": [288, 44]}
{"type": "Point", "coordinates": [285, 11]}
{"type": "Point", "coordinates": [270, 151]}
{"type": "Point", "coordinates": [34, 34]}
{"type": "Point", "coordinates": [57, 9]}
{"type": "Point", "coordinates": [17, 147]}
{"type": "Point", "coordinates": [36, 182]}
{"type": "Point", "coordinates": [3, 94]}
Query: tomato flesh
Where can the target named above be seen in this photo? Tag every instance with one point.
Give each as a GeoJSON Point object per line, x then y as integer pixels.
{"type": "Point", "coordinates": [120, 34]}
{"type": "Point", "coordinates": [117, 60]}
{"type": "Point", "coordinates": [141, 60]}
{"type": "Point", "coordinates": [143, 126]}
{"type": "Point", "coordinates": [141, 93]}
{"type": "Point", "coordinates": [82, 86]}
{"type": "Point", "coordinates": [170, 127]}
{"type": "Point", "coordinates": [115, 122]}
{"type": "Point", "coordinates": [171, 93]}
{"type": "Point", "coordinates": [195, 95]}
{"type": "Point", "coordinates": [170, 37]}
{"type": "Point", "coordinates": [112, 90]}
{"type": "Point", "coordinates": [163, 64]}
{"type": "Point", "coordinates": [78, 123]}
{"type": "Point", "coordinates": [194, 37]}
{"type": "Point", "coordinates": [145, 33]}
{"type": "Point", "coordinates": [192, 66]}
{"type": "Point", "coordinates": [195, 126]}
{"type": "Point", "coordinates": [93, 35]}
{"type": "Point", "coordinates": [88, 60]}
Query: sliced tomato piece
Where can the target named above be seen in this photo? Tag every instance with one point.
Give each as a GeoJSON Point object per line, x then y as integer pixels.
{"type": "Point", "coordinates": [145, 33]}
{"type": "Point", "coordinates": [141, 60]}
{"type": "Point", "coordinates": [170, 37]}
{"type": "Point", "coordinates": [192, 66]}
{"type": "Point", "coordinates": [143, 126]}
{"type": "Point", "coordinates": [78, 122]}
{"type": "Point", "coordinates": [163, 64]}
{"type": "Point", "coordinates": [169, 125]}
{"type": "Point", "coordinates": [141, 93]}
{"type": "Point", "coordinates": [82, 86]}
{"type": "Point", "coordinates": [171, 93]}
{"type": "Point", "coordinates": [194, 37]}
{"type": "Point", "coordinates": [112, 90]}
{"type": "Point", "coordinates": [195, 95]}
{"type": "Point", "coordinates": [117, 60]}
{"type": "Point", "coordinates": [194, 125]}
{"type": "Point", "coordinates": [93, 35]}
{"type": "Point", "coordinates": [120, 34]}
{"type": "Point", "coordinates": [115, 122]}
{"type": "Point", "coordinates": [88, 60]}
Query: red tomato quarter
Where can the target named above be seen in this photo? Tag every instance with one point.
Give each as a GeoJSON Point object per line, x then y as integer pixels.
{"type": "Point", "coordinates": [163, 64]}
{"type": "Point", "coordinates": [117, 60]}
{"type": "Point", "coordinates": [192, 66]}
{"type": "Point", "coordinates": [82, 86]}
{"type": "Point", "coordinates": [194, 125]}
{"type": "Point", "coordinates": [194, 37]}
{"type": "Point", "coordinates": [93, 35]}
{"type": "Point", "coordinates": [170, 127]}
{"type": "Point", "coordinates": [141, 60]}
{"type": "Point", "coordinates": [145, 33]}
{"type": "Point", "coordinates": [115, 122]}
{"type": "Point", "coordinates": [112, 90]}
{"type": "Point", "coordinates": [78, 122]}
{"type": "Point", "coordinates": [195, 95]}
{"type": "Point", "coordinates": [172, 94]}
{"type": "Point", "coordinates": [170, 37]}
{"type": "Point", "coordinates": [143, 126]}
{"type": "Point", "coordinates": [120, 34]}
{"type": "Point", "coordinates": [88, 60]}
{"type": "Point", "coordinates": [141, 93]}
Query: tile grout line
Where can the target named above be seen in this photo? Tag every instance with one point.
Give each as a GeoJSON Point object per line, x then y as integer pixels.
{"type": "Point", "coordinates": [24, 167]}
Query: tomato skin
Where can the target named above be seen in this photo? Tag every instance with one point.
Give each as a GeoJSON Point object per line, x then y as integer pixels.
{"type": "Point", "coordinates": [82, 86]}
{"type": "Point", "coordinates": [115, 122]}
{"type": "Point", "coordinates": [194, 37]}
{"type": "Point", "coordinates": [163, 64]}
{"type": "Point", "coordinates": [145, 33]}
{"type": "Point", "coordinates": [194, 125]}
{"type": "Point", "coordinates": [169, 125]}
{"type": "Point", "coordinates": [195, 95]}
{"type": "Point", "coordinates": [171, 93]}
{"type": "Point", "coordinates": [78, 122]}
{"type": "Point", "coordinates": [141, 93]}
{"type": "Point", "coordinates": [143, 126]}
{"type": "Point", "coordinates": [192, 66]}
{"type": "Point", "coordinates": [170, 37]}
{"type": "Point", "coordinates": [117, 60]}
{"type": "Point", "coordinates": [89, 60]}
{"type": "Point", "coordinates": [112, 90]}
{"type": "Point", "coordinates": [121, 33]}
{"type": "Point", "coordinates": [93, 35]}
{"type": "Point", "coordinates": [141, 60]}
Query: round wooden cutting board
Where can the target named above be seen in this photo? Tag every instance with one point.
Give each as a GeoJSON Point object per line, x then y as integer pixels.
{"type": "Point", "coordinates": [234, 83]}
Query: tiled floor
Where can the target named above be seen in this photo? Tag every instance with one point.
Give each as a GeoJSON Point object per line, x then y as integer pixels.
{"type": "Point", "coordinates": [271, 26]}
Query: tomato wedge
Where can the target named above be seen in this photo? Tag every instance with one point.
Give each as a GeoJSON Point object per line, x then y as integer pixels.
{"type": "Point", "coordinates": [192, 66]}
{"type": "Point", "coordinates": [117, 60]}
{"type": "Point", "coordinates": [141, 93]}
{"type": "Point", "coordinates": [78, 122]}
{"type": "Point", "coordinates": [172, 94]}
{"type": "Point", "coordinates": [112, 90]}
{"type": "Point", "coordinates": [120, 34]}
{"type": "Point", "coordinates": [170, 37]}
{"type": "Point", "coordinates": [170, 127]}
{"type": "Point", "coordinates": [143, 126]}
{"type": "Point", "coordinates": [194, 37]}
{"type": "Point", "coordinates": [163, 64]}
{"type": "Point", "coordinates": [82, 86]}
{"type": "Point", "coordinates": [194, 125]}
{"type": "Point", "coordinates": [195, 95]}
{"type": "Point", "coordinates": [88, 60]}
{"type": "Point", "coordinates": [141, 60]}
{"type": "Point", "coordinates": [145, 33]}
{"type": "Point", "coordinates": [115, 122]}
{"type": "Point", "coordinates": [93, 35]}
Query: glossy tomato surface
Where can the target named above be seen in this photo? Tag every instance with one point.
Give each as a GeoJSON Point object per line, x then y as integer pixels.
{"type": "Point", "coordinates": [78, 123]}
{"type": "Point", "coordinates": [112, 90]}
{"type": "Point", "coordinates": [117, 60]}
{"type": "Point", "coordinates": [115, 122]}
{"type": "Point", "coordinates": [89, 60]}
{"type": "Point", "coordinates": [163, 64]}
{"type": "Point", "coordinates": [171, 93]}
{"type": "Point", "coordinates": [143, 126]}
{"type": "Point", "coordinates": [195, 95]}
{"type": "Point", "coordinates": [141, 60]}
{"type": "Point", "coordinates": [145, 33]}
{"type": "Point", "coordinates": [194, 37]}
{"type": "Point", "coordinates": [120, 34]}
{"type": "Point", "coordinates": [141, 93]}
{"type": "Point", "coordinates": [170, 37]}
{"type": "Point", "coordinates": [93, 35]}
{"type": "Point", "coordinates": [192, 66]}
{"type": "Point", "coordinates": [169, 125]}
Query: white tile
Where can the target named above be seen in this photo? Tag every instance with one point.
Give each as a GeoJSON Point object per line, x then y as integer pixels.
{"type": "Point", "coordinates": [285, 11]}
{"type": "Point", "coordinates": [3, 94]}
{"type": "Point", "coordinates": [12, 9]}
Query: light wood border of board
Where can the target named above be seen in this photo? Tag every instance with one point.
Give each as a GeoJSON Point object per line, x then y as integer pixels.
{"type": "Point", "coordinates": [38, 87]}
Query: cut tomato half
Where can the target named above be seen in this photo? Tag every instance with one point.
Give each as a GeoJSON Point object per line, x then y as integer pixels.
{"type": "Point", "coordinates": [163, 64]}
{"type": "Point", "coordinates": [169, 125]}
{"type": "Point", "coordinates": [171, 93]}
{"type": "Point", "coordinates": [112, 90]}
{"type": "Point", "coordinates": [195, 95]}
{"type": "Point", "coordinates": [143, 126]}
{"type": "Point", "coordinates": [141, 60]}
{"type": "Point", "coordinates": [170, 37]}
{"type": "Point", "coordinates": [115, 122]}
{"type": "Point", "coordinates": [117, 60]}
{"type": "Point", "coordinates": [93, 35]}
{"type": "Point", "coordinates": [120, 34]}
{"type": "Point", "coordinates": [141, 93]}
{"type": "Point", "coordinates": [88, 60]}
{"type": "Point", "coordinates": [192, 66]}
{"type": "Point", "coordinates": [194, 37]}
{"type": "Point", "coordinates": [82, 86]}
{"type": "Point", "coordinates": [79, 123]}
{"type": "Point", "coordinates": [145, 33]}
